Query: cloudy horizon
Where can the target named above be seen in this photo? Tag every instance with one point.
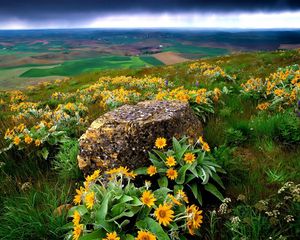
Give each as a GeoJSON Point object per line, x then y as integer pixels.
{"type": "Point", "coordinates": [34, 14]}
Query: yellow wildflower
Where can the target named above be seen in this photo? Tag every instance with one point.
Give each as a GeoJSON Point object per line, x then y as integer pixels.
{"type": "Point", "coordinates": [28, 139]}
{"type": "Point", "coordinates": [172, 174]}
{"type": "Point", "coordinates": [170, 161]}
{"type": "Point", "coordinates": [76, 218]}
{"type": "Point", "coordinates": [111, 236]}
{"type": "Point", "coordinates": [145, 235]}
{"type": "Point", "coordinates": [148, 198]}
{"type": "Point", "coordinates": [160, 142]}
{"type": "Point", "coordinates": [78, 197]}
{"type": "Point", "coordinates": [164, 214]}
{"type": "Point", "coordinates": [90, 200]}
{"type": "Point", "coordinates": [151, 170]}
{"type": "Point", "coordinates": [37, 142]}
{"type": "Point", "coordinates": [189, 157]}
{"type": "Point", "coordinates": [17, 140]}
{"type": "Point", "coordinates": [77, 231]}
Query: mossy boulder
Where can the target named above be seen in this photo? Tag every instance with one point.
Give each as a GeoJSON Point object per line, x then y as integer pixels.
{"type": "Point", "coordinates": [124, 136]}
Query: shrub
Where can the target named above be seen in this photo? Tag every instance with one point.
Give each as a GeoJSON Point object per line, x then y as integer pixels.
{"type": "Point", "coordinates": [65, 162]}
{"type": "Point", "coordinates": [112, 204]}
{"type": "Point", "coordinates": [289, 129]}
{"type": "Point", "coordinates": [118, 208]}
{"type": "Point", "coordinates": [278, 91]}
{"type": "Point", "coordinates": [186, 166]}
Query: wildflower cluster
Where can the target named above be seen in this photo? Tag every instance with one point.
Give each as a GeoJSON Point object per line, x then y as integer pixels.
{"type": "Point", "coordinates": [279, 90]}
{"type": "Point", "coordinates": [201, 100]}
{"type": "Point", "coordinates": [111, 92]}
{"type": "Point", "coordinates": [110, 206]}
{"type": "Point", "coordinates": [37, 125]}
{"type": "Point", "coordinates": [208, 71]}
{"type": "Point", "coordinates": [185, 165]}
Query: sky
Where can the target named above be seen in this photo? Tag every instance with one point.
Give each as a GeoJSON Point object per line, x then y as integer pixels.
{"type": "Point", "coordinates": [37, 14]}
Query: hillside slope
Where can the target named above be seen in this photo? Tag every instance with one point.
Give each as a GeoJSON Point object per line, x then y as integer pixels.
{"type": "Point", "coordinates": [249, 105]}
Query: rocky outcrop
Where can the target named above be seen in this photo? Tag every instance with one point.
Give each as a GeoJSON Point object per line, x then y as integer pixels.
{"type": "Point", "coordinates": [124, 136]}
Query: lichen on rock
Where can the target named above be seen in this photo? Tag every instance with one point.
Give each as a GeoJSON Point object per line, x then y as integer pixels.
{"type": "Point", "coordinates": [124, 136]}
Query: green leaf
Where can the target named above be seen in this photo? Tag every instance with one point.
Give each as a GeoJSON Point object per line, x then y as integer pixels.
{"type": "Point", "coordinates": [161, 155]}
{"type": "Point", "coordinates": [196, 191]}
{"type": "Point", "coordinates": [181, 174]}
{"type": "Point", "coordinates": [141, 171]}
{"type": "Point", "coordinates": [213, 190]}
{"type": "Point", "coordinates": [136, 201]}
{"type": "Point", "coordinates": [125, 198]}
{"type": "Point", "coordinates": [189, 177]}
{"type": "Point", "coordinates": [217, 179]}
{"type": "Point", "coordinates": [129, 237]}
{"type": "Point", "coordinates": [156, 162]}
{"type": "Point", "coordinates": [102, 211]}
{"type": "Point", "coordinates": [177, 188]}
{"type": "Point", "coordinates": [125, 222]}
{"type": "Point", "coordinates": [154, 227]}
{"type": "Point", "coordinates": [160, 194]}
{"type": "Point", "coordinates": [95, 235]}
{"type": "Point", "coordinates": [200, 158]}
{"type": "Point", "coordinates": [81, 209]}
{"type": "Point", "coordinates": [163, 182]}
{"type": "Point", "coordinates": [182, 151]}
{"type": "Point", "coordinates": [117, 209]}
{"type": "Point", "coordinates": [176, 146]}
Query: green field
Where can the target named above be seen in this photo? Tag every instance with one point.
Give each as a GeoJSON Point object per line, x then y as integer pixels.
{"type": "Point", "coordinates": [75, 67]}
{"type": "Point", "coordinates": [192, 49]}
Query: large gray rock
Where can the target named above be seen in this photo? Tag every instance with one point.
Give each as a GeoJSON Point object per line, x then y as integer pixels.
{"type": "Point", "coordinates": [124, 136]}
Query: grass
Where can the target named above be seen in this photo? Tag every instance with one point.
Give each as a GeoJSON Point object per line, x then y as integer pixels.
{"type": "Point", "coordinates": [33, 214]}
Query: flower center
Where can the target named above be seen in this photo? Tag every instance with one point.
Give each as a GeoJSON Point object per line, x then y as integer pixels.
{"type": "Point", "coordinates": [162, 213]}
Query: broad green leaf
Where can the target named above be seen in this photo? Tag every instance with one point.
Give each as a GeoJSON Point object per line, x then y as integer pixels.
{"type": "Point", "coordinates": [136, 201]}
{"type": "Point", "coordinates": [205, 162]}
{"type": "Point", "coordinates": [181, 174]}
{"type": "Point", "coordinates": [189, 177]}
{"type": "Point", "coordinates": [156, 162]}
{"type": "Point", "coordinates": [161, 155]}
{"type": "Point", "coordinates": [141, 171]}
{"type": "Point", "coordinates": [160, 194]}
{"type": "Point", "coordinates": [125, 198]}
{"type": "Point", "coordinates": [117, 209]}
{"type": "Point", "coordinates": [176, 146]}
{"type": "Point", "coordinates": [177, 188]}
{"type": "Point", "coordinates": [213, 190]}
{"type": "Point", "coordinates": [163, 181]}
{"type": "Point", "coordinates": [206, 175]}
{"type": "Point", "coordinates": [81, 209]}
{"type": "Point", "coordinates": [200, 158]}
{"type": "Point", "coordinates": [217, 179]}
{"type": "Point", "coordinates": [102, 211]}
{"type": "Point", "coordinates": [129, 237]}
{"type": "Point", "coordinates": [95, 235]}
{"type": "Point", "coordinates": [196, 191]}
{"type": "Point", "coordinates": [182, 151]}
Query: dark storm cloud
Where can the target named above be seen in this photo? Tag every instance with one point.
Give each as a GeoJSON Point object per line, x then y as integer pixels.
{"type": "Point", "coordinates": [51, 8]}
